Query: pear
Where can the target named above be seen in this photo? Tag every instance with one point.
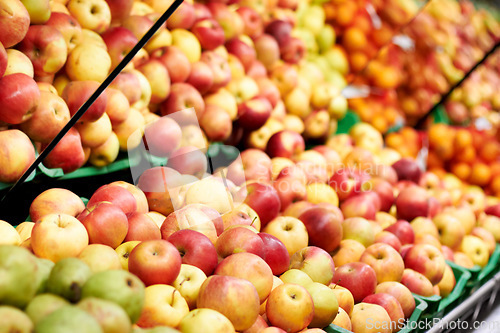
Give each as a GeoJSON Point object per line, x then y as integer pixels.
{"type": "Point", "coordinates": [119, 286]}
{"type": "Point", "coordinates": [44, 268]}
{"type": "Point", "coordinates": [17, 268]}
{"type": "Point", "coordinates": [111, 317]}
{"type": "Point", "coordinates": [69, 318]}
{"type": "Point", "coordinates": [67, 278]}
{"type": "Point", "coordinates": [14, 320]}
{"type": "Point", "coordinates": [43, 305]}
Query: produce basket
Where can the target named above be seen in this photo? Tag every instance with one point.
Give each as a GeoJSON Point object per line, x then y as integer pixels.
{"type": "Point", "coordinates": [458, 294]}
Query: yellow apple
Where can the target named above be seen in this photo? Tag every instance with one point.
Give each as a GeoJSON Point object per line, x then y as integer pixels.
{"type": "Point", "coordinates": [18, 62]}
{"type": "Point", "coordinates": [370, 318]}
{"type": "Point", "coordinates": [476, 249]}
{"type": "Point", "coordinates": [210, 320]}
{"type": "Point", "coordinates": [95, 133]}
{"type": "Point", "coordinates": [24, 230]}
{"type": "Point", "coordinates": [187, 43]}
{"type": "Point", "coordinates": [123, 251]}
{"type": "Point", "coordinates": [8, 234]}
{"type": "Point", "coordinates": [100, 257]}
{"type": "Point", "coordinates": [319, 192]}
{"type": "Point", "coordinates": [344, 297]}
{"type": "Point", "coordinates": [130, 131]}
{"type": "Point", "coordinates": [342, 320]}
{"type": "Point", "coordinates": [325, 304]}
{"type": "Point", "coordinates": [296, 276]}
{"type": "Point", "coordinates": [106, 153]}
{"type": "Point", "coordinates": [189, 282]}
{"type": "Point", "coordinates": [94, 15]}
{"type": "Point", "coordinates": [88, 61]}
{"type": "Point", "coordinates": [447, 283]}
{"type": "Point", "coordinates": [163, 306]}
{"type": "Point", "coordinates": [290, 231]}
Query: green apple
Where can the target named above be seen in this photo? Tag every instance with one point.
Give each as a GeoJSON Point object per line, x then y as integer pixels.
{"type": "Point", "coordinates": [14, 320]}
{"type": "Point", "coordinates": [17, 268]}
{"type": "Point", "coordinates": [39, 10]}
{"type": "Point", "coordinates": [111, 317]}
{"type": "Point", "coordinates": [66, 319]}
{"type": "Point", "coordinates": [44, 268]}
{"type": "Point", "coordinates": [44, 304]}
{"type": "Point", "coordinates": [325, 302]}
{"type": "Point", "coordinates": [312, 19]}
{"type": "Point", "coordinates": [68, 277]}
{"type": "Point", "coordinates": [119, 286]}
{"type": "Point", "coordinates": [326, 38]}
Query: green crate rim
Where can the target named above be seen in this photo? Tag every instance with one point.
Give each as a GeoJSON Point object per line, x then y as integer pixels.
{"type": "Point", "coordinates": [459, 289]}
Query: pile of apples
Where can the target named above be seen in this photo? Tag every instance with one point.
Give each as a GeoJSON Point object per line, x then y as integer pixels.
{"type": "Point", "coordinates": [289, 241]}
{"type": "Point", "coordinates": [477, 97]}
{"type": "Point", "coordinates": [241, 67]}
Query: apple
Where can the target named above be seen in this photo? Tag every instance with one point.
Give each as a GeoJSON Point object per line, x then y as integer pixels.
{"type": "Point", "coordinates": [206, 318]}
{"type": "Point", "coordinates": [407, 169]}
{"type": "Point", "coordinates": [162, 137]}
{"type": "Point", "coordinates": [201, 77]}
{"type": "Point", "coordinates": [290, 307]}
{"type": "Point", "coordinates": [401, 293]}
{"type": "Point", "coordinates": [9, 234]}
{"type": "Point", "coordinates": [48, 119]}
{"type": "Point", "coordinates": [187, 42]}
{"type": "Point", "coordinates": [476, 249]}
{"type": "Point", "coordinates": [183, 96]}
{"type": "Point", "coordinates": [385, 261]}
{"type": "Point", "coordinates": [285, 144]}
{"type": "Point", "coordinates": [232, 23]}
{"type": "Point", "coordinates": [15, 22]}
{"type": "Point", "coordinates": [235, 298]}
{"type": "Point", "coordinates": [349, 250]}
{"type": "Point", "coordinates": [250, 267]}
{"type": "Point", "coordinates": [254, 113]}
{"type": "Point", "coordinates": [450, 229]}
{"type": "Point", "coordinates": [94, 15]}
{"type": "Point", "coordinates": [447, 283]}
{"type": "Point", "coordinates": [220, 69]}
{"type": "Point", "coordinates": [239, 239]}
{"type": "Point", "coordinates": [342, 320]}
{"type": "Point", "coordinates": [290, 231]}
{"type": "Point", "coordinates": [155, 262]}
{"type": "Point", "coordinates": [324, 228]}
{"type": "Point", "coordinates": [76, 93]}
{"type": "Point", "coordinates": [412, 202]}
{"type": "Point", "coordinates": [362, 205]}
{"type": "Point", "coordinates": [367, 317]}
{"type": "Point", "coordinates": [163, 306]}
{"type": "Point", "coordinates": [23, 229]}
{"type": "Point", "coordinates": [119, 42]}
{"type": "Point", "coordinates": [62, 230]}
{"type": "Point", "coordinates": [195, 249]}
{"type": "Point", "coordinates": [141, 227]}
{"type": "Point", "coordinates": [123, 251]}
{"type": "Point", "coordinates": [325, 305]}
{"type": "Point", "coordinates": [391, 305]}
{"type": "Point", "coordinates": [100, 258]}
{"type": "Point", "coordinates": [81, 65]}
{"type": "Point", "coordinates": [188, 160]}
{"type": "Point", "coordinates": [417, 283]}
{"type": "Point", "coordinates": [486, 236]}
{"type": "Point", "coordinates": [346, 182]}
{"type": "Point", "coordinates": [314, 261]}
{"type": "Point", "coordinates": [263, 199]}
{"type": "Point", "coordinates": [292, 50]}
{"type": "Point", "coordinates": [68, 154]}
{"type": "Point", "coordinates": [176, 62]}
{"type": "Point", "coordinates": [155, 183]}
{"type": "Point", "coordinates": [116, 195]}
{"type": "Point", "coordinates": [56, 200]}
{"type": "Point", "coordinates": [120, 10]}
{"type": "Point", "coordinates": [117, 106]}
{"type": "Point", "coordinates": [465, 214]}
{"type": "Point", "coordinates": [19, 98]}
{"type": "Point", "coordinates": [296, 276]}
{"type": "Point", "coordinates": [423, 226]}
{"type": "Point", "coordinates": [68, 26]}
{"type": "Point", "coordinates": [275, 253]}
{"type": "Point", "coordinates": [183, 18]}
{"type": "Point", "coordinates": [189, 282]}
{"type": "Point", "coordinates": [359, 278]}
{"type": "Point", "coordinates": [129, 85]}
{"type": "Point", "coordinates": [359, 229]}
{"type": "Point", "coordinates": [106, 224]}
{"type": "Point", "coordinates": [403, 230]}
{"type": "Point", "coordinates": [13, 61]}
{"type": "Point", "coordinates": [209, 33]}
{"type": "Point", "coordinates": [427, 260]}
{"type": "Point", "coordinates": [279, 29]}
{"type": "Point", "coordinates": [94, 134]}
{"type": "Point", "coordinates": [216, 123]}
{"type": "Point", "coordinates": [16, 146]}
{"type": "Point", "coordinates": [388, 238]}
{"type": "Point", "coordinates": [253, 25]}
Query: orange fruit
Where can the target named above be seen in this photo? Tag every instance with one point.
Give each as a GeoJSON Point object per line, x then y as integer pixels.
{"type": "Point", "coordinates": [495, 168]}
{"type": "Point", "coordinates": [354, 39]}
{"type": "Point", "coordinates": [394, 140]}
{"type": "Point", "coordinates": [383, 35]}
{"type": "Point", "coordinates": [467, 154]}
{"type": "Point", "coordinates": [433, 161]}
{"type": "Point", "coordinates": [388, 78]}
{"type": "Point", "coordinates": [410, 106]}
{"type": "Point", "coordinates": [461, 170]}
{"type": "Point", "coordinates": [391, 114]}
{"type": "Point", "coordinates": [380, 123]}
{"type": "Point", "coordinates": [495, 185]}
{"type": "Point", "coordinates": [358, 61]}
{"type": "Point", "coordinates": [490, 151]}
{"type": "Point", "coordinates": [346, 12]}
{"type": "Point", "coordinates": [463, 138]}
{"type": "Point", "coordinates": [363, 23]}
{"type": "Point", "coordinates": [480, 174]}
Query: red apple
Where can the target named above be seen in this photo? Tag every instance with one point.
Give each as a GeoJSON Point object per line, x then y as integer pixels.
{"type": "Point", "coordinates": [346, 182]}
{"type": "Point", "coordinates": [263, 199]}
{"type": "Point", "coordinates": [239, 239]}
{"type": "Point", "coordinates": [220, 69]}
{"type": "Point", "coordinates": [3, 60]}
{"type": "Point", "coordinates": [188, 160]}
{"type": "Point", "coordinates": [201, 11]}
{"type": "Point", "coordinates": [162, 137]}
{"type": "Point", "coordinates": [209, 33]}
{"type": "Point", "coordinates": [68, 154]}
{"type": "Point", "coordinates": [195, 249]}
{"type": "Point", "coordinates": [427, 260]}
{"type": "Point", "coordinates": [285, 144]}
{"type": "Point", "coordinates": [76, 93]}
{"type": "Point", "coordinates": [138, 24]}
{"type": "Point", "coordinates": [216, 123]}
{"type": "Point", "coordinates": [403, 230]}
{"type": "Point", "coordinates": [120, 10]}
{"type": "Point", "coordinates": [230, 21]}
{"type": "Point", "coordinates": [391, 305]}
{"type": "Point", "coordinates": [106, 224]}
{"type": "Point", "coordinates": [417, 283]}
{"type": "Point", "coordinates": [315, 262]}
{"type": "Point", "coordinates": [275, 253]}
{"type": "Point", "coordinates": [129, 84]}
{"type": "Point", "coordinates": [361, 205]}
{"type": "Point", "coordinates": [401, 293]}
{"type": "Point", "coordinates": [384, 190]}
{"type": "Point", "coordinates": [46, 48]}
{"type": "Point", "coordinates": [280, 30]}
{"type": "Point", "coordinates": [254, 27]}
{"type": "Point", "coordinates": [388, 238]}
{"type": "Point", "coordinates": [141, 227]}
{"type": "Point", "coordinates": [292, 50]}
{"type": "Point", "coordinates": [254, 113]}
{"type": "Point", "coordinates": [201, 77]}
{"type": "Point", "coordinates": [68, 26]}
{"type": "Point", "coordinates": [268, 90]}
{"type": "Point", "coordinates": [155, 183]}
{"type": "Point", "coordinates": [183, 96]}
{"type": "Point", "coordinates": [182, 18]}
{"type": "Point", "coordinates": [407, 169]}
{"type": "Point", "coordinates": [242, 50]}
{"type": "Point", "coordinates": [359, 278]}
{"type": "Point", "coordinates": [14, 22]}
{"type": "Point", "coordinates": [324, 228]}
{"type": "Point", "coordinates": [177, 63]}
{"type": "Point", "coordinates": [289, 190]}
{"type": "Point", "coordinates": [120, 42]}
{"type": "Point", "coordinates": [155, 262]}
{"type": "Point", "coordinates": [16, 155]}
{"type": "Point", "coordinates": [115, 194]}
{"type": "Point", "coordinates": [19, 98]}
{"type": "Point", "coordinates": [412, 202]}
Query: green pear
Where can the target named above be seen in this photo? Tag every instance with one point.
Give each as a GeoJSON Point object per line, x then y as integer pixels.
{"type": "Point", "coordinates": [119, 286]}
{"type": "Point", "coordinates": [44, 268]}
{"type": "Point", "coordinates": [111, 317]}
{"type": "Point", "coordinates": [68, 277]}
{"type": "Point", "coordinates": [18, 266]}
{"type": "Point", "coordinates": [326, 38]}
{"type": "Point", "coordinates": [14, 320]}
{"type": "Point", "coordinates": [43, 305]}
{"type": "Point", "coordinates": [67, 319]}
{"type": "Point", "coordinates": [337, 60]}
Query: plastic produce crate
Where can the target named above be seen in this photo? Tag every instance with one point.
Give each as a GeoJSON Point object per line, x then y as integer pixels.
{"type": "Point", "coordinates": [462, 276]}
{"type": "Point", "coordinates": [491, 268]}
{"type": "Point", "coordinates": [412, 322]}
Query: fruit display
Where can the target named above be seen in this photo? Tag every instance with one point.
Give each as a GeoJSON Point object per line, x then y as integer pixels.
{"type": "Point", "coordinates": [332, 235]}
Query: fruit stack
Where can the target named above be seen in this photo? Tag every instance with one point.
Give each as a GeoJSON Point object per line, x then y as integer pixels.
{"type": "Point", "coordinates": [292, 240]}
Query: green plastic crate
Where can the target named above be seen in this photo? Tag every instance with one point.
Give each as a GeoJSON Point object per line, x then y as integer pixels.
{"type": "Point", "coordinates": [458, 294]}
{"type": "Point", "coordinates": [420, 307]}
{"type": "Point", "coordinates": [491, 268]}
{"type": "Point", "coordinates": [347, 122]}
{"type": "Point", "coordinates": [4, 186]}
